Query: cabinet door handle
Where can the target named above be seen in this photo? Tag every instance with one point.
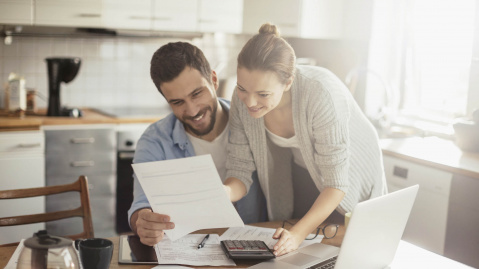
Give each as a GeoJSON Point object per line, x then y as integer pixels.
{"type": "Point", "coordinates": [400, 172]}
{"type": "Point", "coordinates": [208, 21]}
{"type": "Point", "coordinates": [139, 18]}
{"type": "Point", "coordinates": [29, 145]}
{"type": "Point", "coordinates": [82, 163]}
{"type": "Point", "coordinates": [161, 18]}
{"type": "Point", "coordinates": [89, 15]}
{"type": "Point", "coordinates": [88, 140]}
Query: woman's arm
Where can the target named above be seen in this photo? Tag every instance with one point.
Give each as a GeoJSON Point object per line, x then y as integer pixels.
{"type": "Point", "coordinates": [324, 205]}
{"type": "Point", "coordinates": [235, 189]}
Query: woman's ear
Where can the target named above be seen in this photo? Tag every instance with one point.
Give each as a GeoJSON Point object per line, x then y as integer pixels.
{"type": "Point", "coordinates": [289, 83]}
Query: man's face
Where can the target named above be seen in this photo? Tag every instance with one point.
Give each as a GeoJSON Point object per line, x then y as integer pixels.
{"type": "Point", "coordinates": [193, 100]}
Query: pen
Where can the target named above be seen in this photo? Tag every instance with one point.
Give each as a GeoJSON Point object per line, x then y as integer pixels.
{"type": "Point", "coordinates": [202, 244]}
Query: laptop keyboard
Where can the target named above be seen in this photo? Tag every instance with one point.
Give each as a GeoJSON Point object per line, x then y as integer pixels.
{"type": "Point", "coordinates": [327, 264]}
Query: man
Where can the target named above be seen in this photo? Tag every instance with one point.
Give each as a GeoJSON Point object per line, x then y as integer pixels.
{"type": "Point", "coordinates": [198, 125]}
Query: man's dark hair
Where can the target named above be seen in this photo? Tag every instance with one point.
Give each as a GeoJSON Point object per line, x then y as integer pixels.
{"type": "Point", "coordinates": [171, 59]}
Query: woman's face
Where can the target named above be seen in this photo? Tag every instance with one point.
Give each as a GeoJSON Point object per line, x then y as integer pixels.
{"type": "Point", "coordinates": [260, 91]}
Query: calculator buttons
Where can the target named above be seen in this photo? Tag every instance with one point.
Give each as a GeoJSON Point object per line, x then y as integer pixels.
{"type": "Point", "coordinates": [246, 249]}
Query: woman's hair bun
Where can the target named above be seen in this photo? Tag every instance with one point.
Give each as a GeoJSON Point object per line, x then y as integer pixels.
{"type": "Point", "coordinates": [269, 28]}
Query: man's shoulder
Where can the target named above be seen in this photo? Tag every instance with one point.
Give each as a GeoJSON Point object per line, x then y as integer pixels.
{"type": "Point", "coordinates": [160, 129]}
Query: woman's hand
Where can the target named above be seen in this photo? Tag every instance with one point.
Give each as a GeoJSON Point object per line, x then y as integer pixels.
{"type": "Point", "coordinates": [288, 241]}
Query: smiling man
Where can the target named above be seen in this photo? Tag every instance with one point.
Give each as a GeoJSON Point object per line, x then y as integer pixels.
{"type": "Point", "coordinates": [198, 125]}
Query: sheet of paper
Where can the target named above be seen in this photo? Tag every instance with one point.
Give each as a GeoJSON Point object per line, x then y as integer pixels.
{"type": "Point", "coordinates": [185, 251]}
{"type": "Point", "coordinates": [258, 233]}
{"type": "Point", "coordinates": [190, 191]}
{"type": "Point", "coordinates": [12, 263]}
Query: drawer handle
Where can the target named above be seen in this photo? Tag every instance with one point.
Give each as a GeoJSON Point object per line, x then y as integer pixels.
{"type": "Point", "coordinates": [82, 163]}
{"type": "Point", "coordinates": [88, 140]}
{"type": "Point", "coordinates": [400, 172]}
{"type": "Point", "coordinates": [89, 15]}
{"type": "Point", "coordinates": [29, 145]}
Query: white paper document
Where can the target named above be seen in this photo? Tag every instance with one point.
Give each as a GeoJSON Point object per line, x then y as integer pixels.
{"type": "Point", "coordinates": [185, 251]}
{"type": "Point", "coordinates": [259, 233]}
{"type": "Point", "coordinates": [190, 191]}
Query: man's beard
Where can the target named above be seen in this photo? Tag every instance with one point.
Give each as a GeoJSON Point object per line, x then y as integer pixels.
{"type": "Point", "coordinates": [209, 128]}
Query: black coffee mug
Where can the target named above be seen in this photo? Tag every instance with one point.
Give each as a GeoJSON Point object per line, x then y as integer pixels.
{"type": "Point", "coordinates": [95, 253]}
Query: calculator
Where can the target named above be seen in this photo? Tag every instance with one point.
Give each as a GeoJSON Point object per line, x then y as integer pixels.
{"type": "Point", "coordinates": [246, 250]}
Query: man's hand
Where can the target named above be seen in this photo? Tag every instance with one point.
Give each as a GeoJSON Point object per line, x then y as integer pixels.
{"type": "Point", "coordinates": [150, 226]}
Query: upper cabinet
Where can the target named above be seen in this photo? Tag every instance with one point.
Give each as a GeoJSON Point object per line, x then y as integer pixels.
{"type": "Point", "coordinates": [156, 15]}
{"type": "Point", "coordinates": [127, 14]}
{"type": "Point", "coordinates": [16, 12]}
{"type": "Point", "coordinates": [86, 13]}
{"type": "Point", "coordinates": [296, 18]}
{"type": "Point", "coordinates": [178, 15]}
{"type": "Point", "coordinates": [285, 14]}
{"type": "Point", "coordinates": [220, 15]}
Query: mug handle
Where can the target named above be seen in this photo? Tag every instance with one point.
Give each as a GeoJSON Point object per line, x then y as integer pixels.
{"type": "Point", "coordinates": [77, 243]}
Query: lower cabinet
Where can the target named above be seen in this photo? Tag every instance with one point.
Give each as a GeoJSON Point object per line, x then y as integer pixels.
{"type": "Point", "coordinates": [82, 150]}
{"type": "Point", "coordinates": [462, 237]}
{"type": "Point", "coordinates": [427, 223]}
{"type": "Point", "coordinates": [22, 165]}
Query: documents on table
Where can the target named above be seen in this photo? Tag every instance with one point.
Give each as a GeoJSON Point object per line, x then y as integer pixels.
{"type": "Point", "coordinates": [259, 233]}
{"type": "Point", "coordinates": [12, 263]}
{"type": "Point", "coordinates": [185, 251]}
{"type": "Point", "coordinates": [190, 191]}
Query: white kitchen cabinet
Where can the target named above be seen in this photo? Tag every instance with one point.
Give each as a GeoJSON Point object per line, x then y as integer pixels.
{"type": "Point", "coordinates": [16, 12]}
{"type": "Point", "coordinates": [85, 13]}
{"type": "Point", "coordinates": [221, 16]}
{"type": "Point", "coordinates": [178, 15]}
{"type": "Point", "coordinates": [462, 239]}
{"type": "Point", "coordinates": [427, 223]}
{"type": "Point", "coordinates": [296, 18]}
{"type": "Point", "coordinates": [286, 14]}
{"type": "Point", "coordinates": [22, 165]}
{"type": "Point", "coordinates": [127, 14]}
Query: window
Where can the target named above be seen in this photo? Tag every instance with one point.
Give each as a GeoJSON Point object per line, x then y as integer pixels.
{"type": "Point", "coordinates": [422, 51]}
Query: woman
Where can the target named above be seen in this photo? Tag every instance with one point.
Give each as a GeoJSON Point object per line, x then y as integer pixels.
{"type": "Point", "coordinates": [283, 115]}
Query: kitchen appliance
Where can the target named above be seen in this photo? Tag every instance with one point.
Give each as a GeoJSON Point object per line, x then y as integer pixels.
{"type": "Point", "coordinates": [127, 138]}
{"type": "Point", "coordinates": [128, 135]}
{"type": "Point", "coordinates": [60, 70]}
{"type": "Point", "coordinates": [48, 251]}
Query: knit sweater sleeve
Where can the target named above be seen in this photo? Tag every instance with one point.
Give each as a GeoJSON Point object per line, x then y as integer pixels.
{"type": "Point", "coordinates": [330, 120]}
{"type": "Point", "coordinates": [239, 163]}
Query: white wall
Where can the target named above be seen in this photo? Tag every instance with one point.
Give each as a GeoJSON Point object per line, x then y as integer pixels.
{"type": "Point", "coordinates": [114, 71]}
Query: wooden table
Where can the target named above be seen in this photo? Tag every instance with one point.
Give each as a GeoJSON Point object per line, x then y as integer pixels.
{"type": "Point", "coordinates": [7, 251]}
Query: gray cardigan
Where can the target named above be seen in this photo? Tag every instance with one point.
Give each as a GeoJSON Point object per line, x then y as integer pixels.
{"type": "Point", "coordinates": [338, 143]}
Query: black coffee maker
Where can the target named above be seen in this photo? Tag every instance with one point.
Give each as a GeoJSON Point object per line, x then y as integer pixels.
{"type": "Point", "coordinates": [60, 70]}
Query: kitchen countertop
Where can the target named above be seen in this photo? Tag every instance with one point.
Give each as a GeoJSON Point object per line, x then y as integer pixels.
{"type": "Point", "coordinates": [435, 152]}
{"type": "Point", "coordinates": [90, 116]}
{"type": "Point", "coordinates": [431, 151]}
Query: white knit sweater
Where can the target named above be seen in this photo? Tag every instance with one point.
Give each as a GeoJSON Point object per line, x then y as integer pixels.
{"type": "Point", "coordinates": [338, 143]}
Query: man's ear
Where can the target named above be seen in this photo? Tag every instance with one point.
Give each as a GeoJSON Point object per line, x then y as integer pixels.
{"type": "Point", "coordinates": [215, 80]}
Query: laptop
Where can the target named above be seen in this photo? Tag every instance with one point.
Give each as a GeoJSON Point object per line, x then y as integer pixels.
{"type": "Point", "coordinates": [371, 240]}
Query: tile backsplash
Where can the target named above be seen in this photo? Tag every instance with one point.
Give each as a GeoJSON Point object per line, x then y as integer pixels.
{"type": "Point", "coordinates": [114, 71]}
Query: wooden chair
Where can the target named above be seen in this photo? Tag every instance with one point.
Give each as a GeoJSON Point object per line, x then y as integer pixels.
{"type": "Point", "coordinates": [84, 211]}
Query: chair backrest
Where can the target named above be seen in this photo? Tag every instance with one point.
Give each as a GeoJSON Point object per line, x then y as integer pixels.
{"type": "Point", "coordinates": [84, 211]}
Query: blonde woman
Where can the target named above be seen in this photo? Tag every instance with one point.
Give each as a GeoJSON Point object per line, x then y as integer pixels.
{"type": "Point", "coordinates": [285, 116]}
